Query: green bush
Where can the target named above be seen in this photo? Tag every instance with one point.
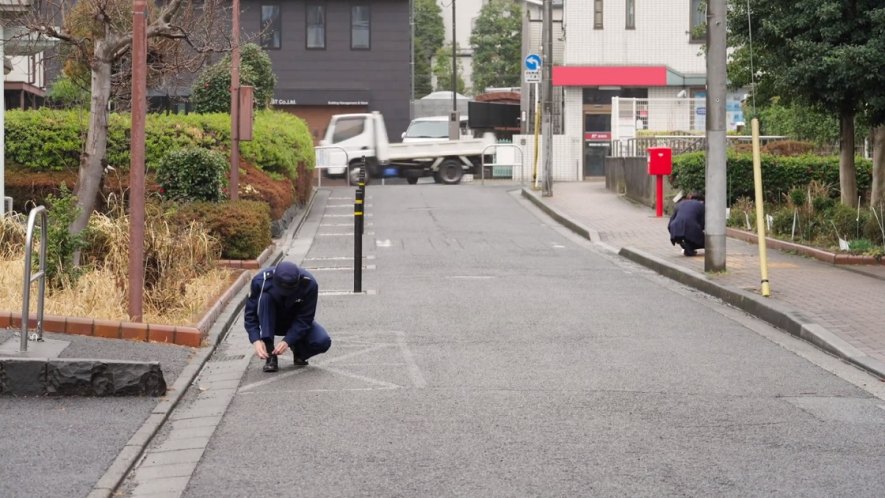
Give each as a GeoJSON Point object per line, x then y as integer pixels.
{"type": "Point", "coordinates": [211, 90]}
{"type": "Point", "coordinates": [243, 227]}
{"type": "Point", "coordinates": [61, 245]}
{"type": "Point", "coordinates": [780, 174]}
{"type": "Point", "coordinates": [192, 174]}
{"type": "Point", "coordinates": [52, 140]}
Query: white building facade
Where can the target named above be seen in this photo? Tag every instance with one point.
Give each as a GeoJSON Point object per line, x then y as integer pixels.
{"type": "Point", "coordinates": [628, 67]}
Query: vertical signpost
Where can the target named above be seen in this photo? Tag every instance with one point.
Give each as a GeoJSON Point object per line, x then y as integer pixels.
{"type": "Point", "coordinates": [532, 74]}
{"type": "Point", "coordinates": [136, 161]}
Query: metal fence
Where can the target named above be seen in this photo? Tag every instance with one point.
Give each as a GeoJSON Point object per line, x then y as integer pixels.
{"type": "Point", "coordinates": [638, 147]}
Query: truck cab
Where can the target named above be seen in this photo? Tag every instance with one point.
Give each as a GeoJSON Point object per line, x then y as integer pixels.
{"type": "Point", "coordinates": [356, 134]}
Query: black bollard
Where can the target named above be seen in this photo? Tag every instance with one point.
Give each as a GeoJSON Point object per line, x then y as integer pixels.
{"type": "Point", "coordinates": [358, 242]}
{"type": "Point", "coordinates": [361, 185]}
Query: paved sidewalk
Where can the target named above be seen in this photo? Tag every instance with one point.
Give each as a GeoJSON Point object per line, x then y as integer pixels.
{"type": "Point", "coordinates": [839, 308]}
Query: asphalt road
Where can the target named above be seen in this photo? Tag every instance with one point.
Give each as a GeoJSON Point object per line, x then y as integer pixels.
{"type": "Point", "coordinates": [61, 446]}
{"type": "Point", "coordinates": [495, 355]}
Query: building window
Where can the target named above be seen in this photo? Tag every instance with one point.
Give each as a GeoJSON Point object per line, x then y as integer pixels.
{"type": "Point", "coordinates": [360, 27]}
{"type": "Point", "coordinates": [597, 14]}
{"type": "Point", "coordinates": [271, 35]}
{"type": "Point", "coordinates": [316, 26]}
{"type": "Point", "coordinates": [631, 14]}
{"type": "Point", "coordinates": [698, 21]}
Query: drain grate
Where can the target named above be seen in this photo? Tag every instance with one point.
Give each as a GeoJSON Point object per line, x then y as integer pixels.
{"type": "Point", "coordinates": [229, 358]}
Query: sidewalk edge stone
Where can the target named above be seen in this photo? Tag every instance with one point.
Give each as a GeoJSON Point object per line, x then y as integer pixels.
{"type": "Point", "coordinates": [561, 218]}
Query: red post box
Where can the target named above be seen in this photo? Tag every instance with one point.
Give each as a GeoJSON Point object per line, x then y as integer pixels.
{"type": "Point", "coordinates": [660, 163]}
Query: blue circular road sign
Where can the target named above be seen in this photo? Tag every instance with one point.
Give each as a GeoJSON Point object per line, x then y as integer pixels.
{"type": "Point", "coordinates": [533, 62]}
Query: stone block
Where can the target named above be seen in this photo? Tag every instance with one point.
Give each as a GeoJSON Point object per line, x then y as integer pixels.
{"type": "Point", "coordinates": [23, 376]}
{"type": "Point", "coordinates": [104, 378]}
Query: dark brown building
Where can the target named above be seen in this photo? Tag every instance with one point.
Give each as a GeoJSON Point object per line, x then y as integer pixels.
{"type": "Point", "coordinates": [336, 56]}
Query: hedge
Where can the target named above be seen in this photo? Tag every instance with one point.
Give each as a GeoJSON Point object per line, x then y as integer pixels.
{"type": "Point", "coordinates": [52, 140]}
{"type": "Point", "coordinates": [779, 174]}
{"type": "Point", "coordinates": [243, 227]}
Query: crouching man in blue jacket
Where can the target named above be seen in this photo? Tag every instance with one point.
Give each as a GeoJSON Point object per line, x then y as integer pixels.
{"type": "Point", "coordinates": [282, 302]}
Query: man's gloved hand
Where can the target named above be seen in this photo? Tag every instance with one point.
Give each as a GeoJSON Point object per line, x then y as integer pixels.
{"type": "Point", "coordinates": [260, 349]}
{"type": "Point", "coordinates": [281, 348]}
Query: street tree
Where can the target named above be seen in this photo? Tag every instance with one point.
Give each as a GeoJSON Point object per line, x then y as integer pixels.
{"type": "Point", "coordinates": [96, 38]}
{"type": "Point", "coordinates": [429, 37]}
{"type": "Point", "coordinates": [821, 53]}
{"type": "Point", "coordinates": [442, 69]}
{"type": "Point", "coordinates": [497, 45]}
{"type": "Point", "coordinates": [211, 90]}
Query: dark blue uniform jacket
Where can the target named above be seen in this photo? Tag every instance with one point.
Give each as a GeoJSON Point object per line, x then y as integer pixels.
{"type": "Point", "coordinates": [274, 311]}
{"type": "Point", "coordinates": [687, 222]}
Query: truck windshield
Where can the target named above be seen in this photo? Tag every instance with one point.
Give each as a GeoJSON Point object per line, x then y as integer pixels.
{"type": "Point", "coordinates": [428, 129]}
{"type": "Point", "coordinates": [347, 128]}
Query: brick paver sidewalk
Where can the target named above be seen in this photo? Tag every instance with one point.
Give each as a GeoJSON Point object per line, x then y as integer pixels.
{"type": "Point", "coordinates": [847, 301]}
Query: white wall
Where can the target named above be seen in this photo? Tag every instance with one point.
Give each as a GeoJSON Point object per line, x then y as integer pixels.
{"type": "Point", "coordinates": [660, 38]}
{"type": "Point", "coordinates": [27, 69]}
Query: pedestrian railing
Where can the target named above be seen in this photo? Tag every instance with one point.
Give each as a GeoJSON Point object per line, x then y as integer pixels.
{"type": "Point", "coordinates": [509, 159]}
{"type": "Point", "coordinates": [331, 156]}
{"type": "Point", "coordinates": [30, 277]}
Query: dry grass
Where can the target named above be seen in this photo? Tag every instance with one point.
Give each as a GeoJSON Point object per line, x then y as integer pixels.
{"type": "Point", "coordinates": [181, 277]}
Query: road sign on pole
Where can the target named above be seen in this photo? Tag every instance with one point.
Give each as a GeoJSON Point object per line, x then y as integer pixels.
{"type": "Point", "coordinates": [533, 62]}
{"type": "Point", "coordinates": [532, 76]}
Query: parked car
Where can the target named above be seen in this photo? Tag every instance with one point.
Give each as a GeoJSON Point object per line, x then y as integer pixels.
{"type": "Point", "coordinates": [433, 129]}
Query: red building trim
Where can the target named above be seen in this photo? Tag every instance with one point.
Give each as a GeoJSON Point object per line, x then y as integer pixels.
{"type": "Point", "coordinates": [643, 76]}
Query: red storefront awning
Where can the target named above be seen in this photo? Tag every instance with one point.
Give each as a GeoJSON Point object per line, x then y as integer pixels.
{"type": "Point", "coordinates": [642, 76]}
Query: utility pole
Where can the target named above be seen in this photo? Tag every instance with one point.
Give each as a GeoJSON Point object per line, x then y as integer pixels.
{"type": "Point", "coordinates": [235, 104]}
{"type": "Point", "coordinates": [136, 161]}
{"type": "Point", "coordinates": [715, 198]}
{"type": "Point", "coordinates": [547, 92]}
{"type": "Point", "coordinates": [412, 60]}
{"type": "Point", "coordinates": [454, 119]}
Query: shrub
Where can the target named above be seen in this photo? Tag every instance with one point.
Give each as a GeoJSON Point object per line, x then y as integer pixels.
{"type": "Point", "coordinates": [52, 140]}
{"type": "Point", "coordinates": [211, 90]}
{"type": "Point", "coordinates": [779, 174]}
{"type": "Point", "coordinates": [61, 246]}
{"type": "Point", "coordinates": [243, 227]}
{"type": "Point", "coordinates": [192, 174]}
{"type": "Point", "coordinates": [788, 148]}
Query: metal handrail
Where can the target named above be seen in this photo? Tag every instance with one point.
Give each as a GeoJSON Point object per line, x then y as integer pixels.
{"type": "Point", "coordinates": [321, 167]}
{"type": "Point", "coordinates": [29, 278]}
{"type": "Point", "coordinates": [520, 163]}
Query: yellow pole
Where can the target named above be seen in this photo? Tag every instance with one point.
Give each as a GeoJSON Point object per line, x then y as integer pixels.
{"type": "Point", "coordinates": [760, 212]}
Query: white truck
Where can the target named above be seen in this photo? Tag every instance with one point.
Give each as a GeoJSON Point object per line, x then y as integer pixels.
{"type": "Point", "coordinates": [364, 135]}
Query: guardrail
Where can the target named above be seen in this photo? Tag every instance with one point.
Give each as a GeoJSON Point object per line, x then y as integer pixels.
{"type": "Point", "coordinates": [520, 163]}
{"type": "Point", "coordinates": [326, 156]}
{"type": "Point", "coordinates": [29, 278]}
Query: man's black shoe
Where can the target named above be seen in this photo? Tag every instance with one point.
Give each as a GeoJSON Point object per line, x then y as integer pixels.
{"type": "Point", "coordinates": [270, 365]}
{"type": "Point", "coordinates": [298, 361]}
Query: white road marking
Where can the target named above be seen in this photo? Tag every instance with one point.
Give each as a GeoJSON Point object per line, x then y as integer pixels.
{"type": "Point", "coordinates": [383, 243]}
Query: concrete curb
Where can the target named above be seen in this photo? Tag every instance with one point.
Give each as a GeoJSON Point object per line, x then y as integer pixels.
{"type": "Point", "coordinates": [562, 219]}
{"type": "Point", "coordinates": [765, 309]}
{"type": "Point", "coordinates": [136, 445]}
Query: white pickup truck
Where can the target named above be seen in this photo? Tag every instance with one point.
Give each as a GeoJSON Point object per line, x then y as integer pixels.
{"type": "Point", "coordinates": [364, 135]}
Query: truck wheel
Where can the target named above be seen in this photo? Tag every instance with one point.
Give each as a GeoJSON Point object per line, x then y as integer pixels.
{"type": "Point", "coordinates": [354, 172]}
{"type": "Point", "coordinates": [412, 180]}
{"type": "Point", "coordinates": [436, 177]}
{"type": "Point", "coordinates": [450, 172]}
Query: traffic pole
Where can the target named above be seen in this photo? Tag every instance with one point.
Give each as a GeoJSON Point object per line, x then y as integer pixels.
{"type": "Point", "coordinates": [760, 211]}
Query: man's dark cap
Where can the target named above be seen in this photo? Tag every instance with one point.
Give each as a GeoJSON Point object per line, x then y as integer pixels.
{"type": "Point", "coordinates": [287, 275]}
